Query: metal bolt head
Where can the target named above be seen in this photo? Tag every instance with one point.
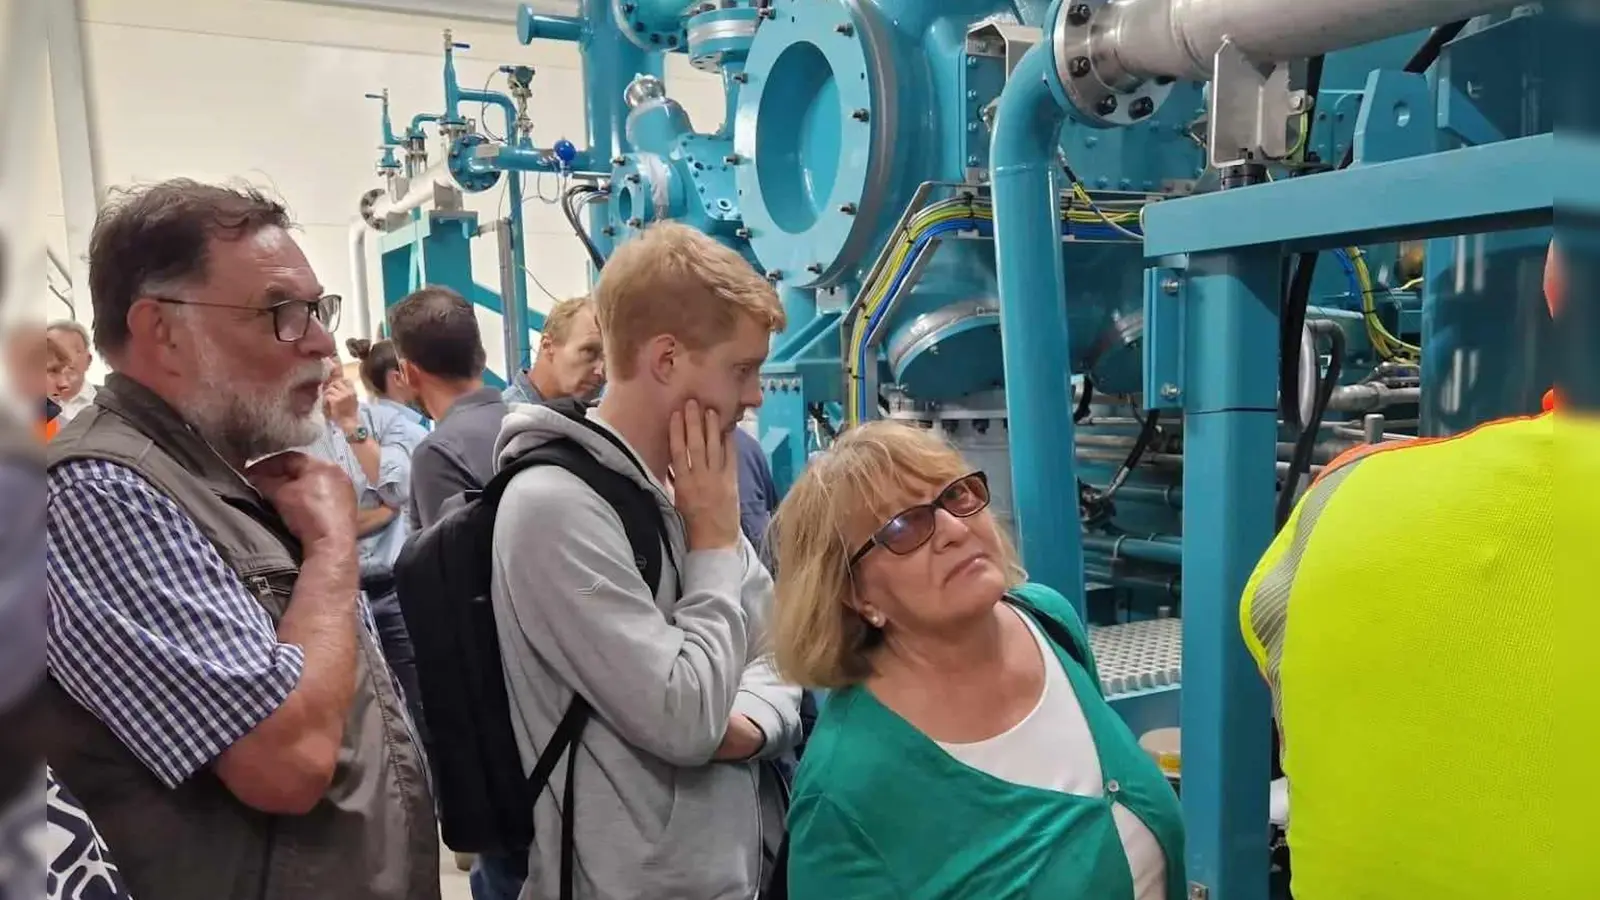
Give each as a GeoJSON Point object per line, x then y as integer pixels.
{"type": "Point", "coordinates": [741, 77]}
{"type": "Point", "coordinates": [1106, 106]}
{"type": "Point", "coordinates": [619, 160]}
{"type": "Point", "coordinates": [1170, 286]}
{"type": "Point", "coordinates": [767, 12]}
{"type": "Point", "coordinates": [845, 28]}
{"type": "Point", "coordinates": [1079, 14]}
{"type": "Point", "coordinates": [731, 159]}
{"type": "Point", "coordinates": [814, 268]}
{"type": "Point", "coordinates": [1169, 391]}
{"type": "Point", "coordinates": [608, 231]}
{"type": "Point", "coordinates": [774, 274]}
{"type": "Point", "coordinates": [742, 233]}
{"type": "Point", "coordinates": [860, 115]}
{"type": "Point", "coordinates": [1141, 107]}
{"type": "Point", "coordinates": [634, 178]}
{"type": "Point", "coordinates": [1078, 67]}
{"type": "Point", "coordinates": [635, 222]}
{"type": "Point", "coordinates": [848, 209]}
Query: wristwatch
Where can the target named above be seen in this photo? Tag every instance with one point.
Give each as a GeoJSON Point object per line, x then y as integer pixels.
{"type": "Point", "coordinates": [360, 434]}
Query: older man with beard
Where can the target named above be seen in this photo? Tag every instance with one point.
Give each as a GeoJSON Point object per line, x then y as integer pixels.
{"type": "Point", "coordinates": [217, 699]}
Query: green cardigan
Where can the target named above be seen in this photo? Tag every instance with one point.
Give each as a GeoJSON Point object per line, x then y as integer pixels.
{"type": "Point", "coordinates": [881, 811]}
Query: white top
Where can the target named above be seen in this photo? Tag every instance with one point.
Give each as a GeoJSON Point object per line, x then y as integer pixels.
{"type": "Point", "coordinates": [1052, 749]}
{"type": "Point", "coordinates": [79, 402]}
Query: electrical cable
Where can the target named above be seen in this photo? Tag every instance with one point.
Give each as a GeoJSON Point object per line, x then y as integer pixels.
{"type": "Point", "coordinates": [1305, 445]}
{"type": "Point", "coordinates": [1084, 399]}
{"type": "Point", "coordinates": [1099, 223]}
{"type": "Point", "coordinates": [567, 207]}
{"type": "Point", "coordinates": [1297, 295]}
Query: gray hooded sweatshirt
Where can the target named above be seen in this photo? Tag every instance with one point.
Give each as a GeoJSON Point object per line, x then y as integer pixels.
{"type": "Point", "coordinates": [655, 817]}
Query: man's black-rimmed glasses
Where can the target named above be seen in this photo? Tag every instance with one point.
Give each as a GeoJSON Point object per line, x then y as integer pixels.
{"type": "Point", "coordinates": [291, 319]}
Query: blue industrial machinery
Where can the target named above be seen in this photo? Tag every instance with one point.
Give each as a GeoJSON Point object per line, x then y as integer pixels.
{"type": "Point", "coordinates": [1148, 262]}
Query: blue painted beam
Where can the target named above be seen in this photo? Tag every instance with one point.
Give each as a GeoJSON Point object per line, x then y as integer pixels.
{"type": "Point", "coordinates": [1230, 434]}
{"type": "Point", "coordinates": [1493, 187]}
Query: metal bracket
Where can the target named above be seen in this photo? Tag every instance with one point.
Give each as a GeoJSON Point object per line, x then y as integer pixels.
{"type": "Point", "coordinates": [992, 51]}
{"type": "Point", "coordinates": [1396, 118]}
{"type": "Point", "coordinates": [1164, 293]}
{"type": "Point", "coordinates": [1250, 108]}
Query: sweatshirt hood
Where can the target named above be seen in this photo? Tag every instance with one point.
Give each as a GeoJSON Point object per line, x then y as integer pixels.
{"type": "Point", "coordinates": [528, 426]}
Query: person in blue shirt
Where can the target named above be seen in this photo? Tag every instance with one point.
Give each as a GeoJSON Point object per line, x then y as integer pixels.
{"type": "Point", "coordinates": [571, 360]}
{"type": "Point", "coordinates": [373, 442]}
{"type": "Point", "coordinates": [758, 495]}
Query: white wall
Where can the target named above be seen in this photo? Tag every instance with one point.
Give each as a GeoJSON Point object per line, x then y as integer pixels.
{"type": "Point", "coordinates": [272, 91]}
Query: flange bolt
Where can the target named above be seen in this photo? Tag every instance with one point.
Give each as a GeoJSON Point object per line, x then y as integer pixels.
{"type": "Point", "coordinates": [1078, 67]}
{"type": "Point", "coordinates": [1106, 106]}
{"type": "Point", "coordinates": [1079, 14]}
{"type": "Point", "coordinates": [845, 28]}
{"type": "Point", "coordinates": [1141, 107]}
{"type": "Point", "coordinates": [848, 209]}
{"type": "Point", "coordinates": [859, 115]}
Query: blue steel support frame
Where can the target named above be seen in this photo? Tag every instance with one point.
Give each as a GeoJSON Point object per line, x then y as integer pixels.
{"type": "Point", "coordinates": [1216, 284]}
{"type": "Point", "coordinates": [1033, 324]}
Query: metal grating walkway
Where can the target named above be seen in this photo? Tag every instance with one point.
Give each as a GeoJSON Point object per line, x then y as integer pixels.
{"type": "Point", "coordinates": [1139, 655]}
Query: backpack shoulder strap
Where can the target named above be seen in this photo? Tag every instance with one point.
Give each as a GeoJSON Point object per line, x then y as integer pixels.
{"type": "Point", "coordinates": [1058, 620]}
{"type": "Point", "coordinates": [646, 530]}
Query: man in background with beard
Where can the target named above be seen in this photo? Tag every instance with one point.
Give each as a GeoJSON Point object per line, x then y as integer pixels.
{"type": "Point", "coordinates": [217, 699]}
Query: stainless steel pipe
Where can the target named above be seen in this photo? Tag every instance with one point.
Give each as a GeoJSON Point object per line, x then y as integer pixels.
{"type": "Point", "coordinates": [424, 189]}
{"type": "Point", "coordinates": [1180, 38]}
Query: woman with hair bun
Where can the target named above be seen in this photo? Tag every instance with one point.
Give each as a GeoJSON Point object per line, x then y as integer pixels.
{"type": "Point", "coordinates": [388, 420]}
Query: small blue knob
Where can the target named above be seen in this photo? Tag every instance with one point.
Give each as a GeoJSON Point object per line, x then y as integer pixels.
{"type": "Point", "coordinates": [565, 151]}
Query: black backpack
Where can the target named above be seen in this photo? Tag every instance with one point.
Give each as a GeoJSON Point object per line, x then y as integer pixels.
{"type": "Point", "coordinates": [485, 798]}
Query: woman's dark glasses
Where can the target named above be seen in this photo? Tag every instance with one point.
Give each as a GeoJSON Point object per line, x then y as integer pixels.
{"type": "Point", "coordinates": [913, 527]}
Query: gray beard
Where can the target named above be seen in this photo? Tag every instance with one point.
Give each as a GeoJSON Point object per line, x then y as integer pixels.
{"type": "Point", "coordinates": [250, 423]}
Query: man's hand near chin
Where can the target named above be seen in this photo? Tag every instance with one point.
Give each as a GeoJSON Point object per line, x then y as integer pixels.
{"type": "Point", "coordinates": [743, 740]}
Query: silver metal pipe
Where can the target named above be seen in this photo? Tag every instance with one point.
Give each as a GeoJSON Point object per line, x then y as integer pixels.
{"type": "Point", "coordinates": [358, 278]}
{"type": "Point", "coordinates": [1371, 396]}
{"type": "Point", "coordinates": [1180, 38]}
{"type": "Point", "coordinates": [505, 249]}
{"type": "Point", "coordinates": [423, 189]}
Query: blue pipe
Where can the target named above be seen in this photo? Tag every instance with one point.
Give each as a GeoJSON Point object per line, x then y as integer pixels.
{"type": "Point", "coordinates": [610, 62]}
{"type": "Point", "coordinates": [1152, 550]}
{"type": "Point", "coordinates": [533, 26]}
{"type": "Point", "coordinates": [517, 307]}
{"type": "Point", "coordinates": [496, 99]}
{"type": "Point", "coordinates": [1033, 322]}
{"type": "Point", "coordinates": [419, 120]}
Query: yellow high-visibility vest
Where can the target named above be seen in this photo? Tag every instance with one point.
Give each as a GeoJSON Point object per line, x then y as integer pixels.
{"type": "Point", "coordinates": [1405, 619]}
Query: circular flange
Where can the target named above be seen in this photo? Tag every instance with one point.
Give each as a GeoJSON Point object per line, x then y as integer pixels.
{"type": "Point", "coordinates": [720, 36]}
{"type": "Point", "coordinates": [811, 138]}
{"type": "Point", "coordinates": [462, 150]}
{"type": "Point", "coordinates": [1086, 72]}
{"type": "Point", "coordinates": [369, 202]}
{"type": "Point", "coordinates": [650, 24]}
{"type": "Point", "coordinates": [925, 352]}
{"type": "Point", "coordinates": [644, 189]}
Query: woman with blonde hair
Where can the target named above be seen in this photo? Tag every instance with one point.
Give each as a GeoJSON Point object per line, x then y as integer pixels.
{"type": "Point", "coordinates": [965, 750]}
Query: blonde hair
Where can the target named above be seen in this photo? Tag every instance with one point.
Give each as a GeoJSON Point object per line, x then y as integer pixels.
{"type": "Point", "coordinates": [675, 280]}
{"type": "Point", "coordinates": [558, 322]}
{"type": "Point", "coordinates": [870, 474]}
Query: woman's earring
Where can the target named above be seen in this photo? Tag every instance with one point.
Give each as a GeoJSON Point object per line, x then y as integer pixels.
{"type": "Point", "coordinates": [875, 618]}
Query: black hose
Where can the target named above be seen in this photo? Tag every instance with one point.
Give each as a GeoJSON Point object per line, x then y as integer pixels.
{"type": "Point", "coordinates": [1086, 398]}
{"type": "Point", "coordinates": [567, 207]}
{"type": "Point", "coordinates": [1297, 295]}
{"type": "Point", "coordinates": [1305, 446]}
